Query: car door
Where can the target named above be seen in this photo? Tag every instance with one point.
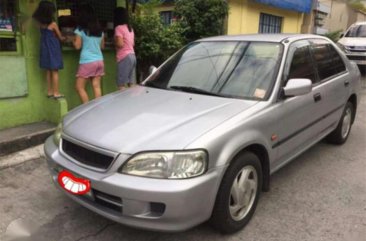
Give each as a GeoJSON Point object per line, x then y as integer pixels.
{"type": "Point", "coordinates": [333, 81]}
{"type": "Point", "coordinates": [300, 117]}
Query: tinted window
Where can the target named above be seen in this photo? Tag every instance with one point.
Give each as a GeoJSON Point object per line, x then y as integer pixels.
{"type": "Point", "coordinates": [327, 59]}
{"type": "Point", "coordinates": [301, 66]}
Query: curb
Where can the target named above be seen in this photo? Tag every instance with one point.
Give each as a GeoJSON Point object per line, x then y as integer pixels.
{"type": "Point", "coordinates": [21, 157]}
{"type": "Point", "coordinates": [22, 142]}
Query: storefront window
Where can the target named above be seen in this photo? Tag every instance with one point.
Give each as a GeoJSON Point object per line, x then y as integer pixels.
{"type": "Point", "coordinates": [8, 44]}
{"type": "Point", "coordinates": [7, 15]}
{"type": "Point", "coordinates": [7, 26]}
{"type": "Point", "coordinates": [68, 12]}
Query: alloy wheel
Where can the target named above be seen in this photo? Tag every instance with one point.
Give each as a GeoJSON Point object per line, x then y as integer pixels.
{"type": "Point", "coordinates": [346, 123]}
{"type": "Point", "coordinates": [243, 193]}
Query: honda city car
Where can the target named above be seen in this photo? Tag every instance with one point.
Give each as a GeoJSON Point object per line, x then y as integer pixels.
{"type": "Point", "coordinates": [199, 138]}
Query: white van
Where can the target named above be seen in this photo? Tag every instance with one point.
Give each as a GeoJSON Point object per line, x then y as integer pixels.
{"type": "Point", "coordinates": [353, 43]}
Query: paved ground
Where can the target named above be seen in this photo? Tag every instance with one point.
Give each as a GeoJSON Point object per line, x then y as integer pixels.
{"type": "Point", "coordinates": [319, 196]}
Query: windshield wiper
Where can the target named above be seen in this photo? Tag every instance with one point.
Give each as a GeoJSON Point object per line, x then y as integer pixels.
{"type": "Point", "coordinates": [193, 90]}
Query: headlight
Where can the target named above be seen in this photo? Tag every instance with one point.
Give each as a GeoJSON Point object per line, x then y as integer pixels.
{"type": "Point", "coordinates": [57, 134]}
{"type": "Point", "coordinates": [168, 165]}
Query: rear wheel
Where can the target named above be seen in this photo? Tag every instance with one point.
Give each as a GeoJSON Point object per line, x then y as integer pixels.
{"type": "Point", "coordinates": [341, 133]}
{"type": "Point", "coordinates": [238, 194]}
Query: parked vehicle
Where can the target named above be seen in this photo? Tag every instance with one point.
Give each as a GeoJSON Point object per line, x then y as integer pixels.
{"type": "Point", "coordinates": [200, 138]}
{"type": "Point", "coordinates": [353, 43]}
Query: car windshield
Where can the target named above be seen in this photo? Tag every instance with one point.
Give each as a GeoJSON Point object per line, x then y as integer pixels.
{"type": "Point", "coordinates": [230, 69]}
{"type": "Point", "coordinates": [357, 31]}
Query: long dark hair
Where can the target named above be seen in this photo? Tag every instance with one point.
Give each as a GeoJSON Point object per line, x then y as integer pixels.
{"type": "Point", "coordinates": [44, 13]}
{"type": "Point", "coordinates": [88, 21]}
{"type": "Point", "coordinates": [121, 17]}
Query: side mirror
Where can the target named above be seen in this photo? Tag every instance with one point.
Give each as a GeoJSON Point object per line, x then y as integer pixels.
{"type": "Point", "coordinates": [342, 35]}
{"type": "Point", "coordinates": [152, 69]}
{"type": "Point", "coordinates": [296, 87]}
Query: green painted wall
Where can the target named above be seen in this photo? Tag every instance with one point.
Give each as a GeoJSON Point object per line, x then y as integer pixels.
{"type": "Point", "coordinates": [16, 111]}
{"type": "Point", "coordinates": [13, 81]}
{"type": "Point", "coordinates": [67, 76]}
{"type": "Point", "coordinates": [35, 106]}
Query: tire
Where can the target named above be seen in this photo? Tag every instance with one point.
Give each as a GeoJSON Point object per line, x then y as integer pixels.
{"type": "Point", "coordinates": [341, 133]}
{"type": "Point", "coordinates": [228, 216]}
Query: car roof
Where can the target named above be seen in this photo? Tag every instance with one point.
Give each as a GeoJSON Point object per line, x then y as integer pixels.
{"type": "Point", "coordinates": [276, 38]}
{"type": "Point", "coordinates": [359, 23]}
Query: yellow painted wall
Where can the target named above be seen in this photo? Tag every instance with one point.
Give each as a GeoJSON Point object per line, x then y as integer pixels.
{"type": "Point", "coordinates": [165, 7]}
{"type": "Point", "coordinates": [244, 17]}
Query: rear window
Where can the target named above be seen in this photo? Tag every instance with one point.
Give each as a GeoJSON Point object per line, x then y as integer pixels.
{"type": "Point", "coordinates": [327, 59]}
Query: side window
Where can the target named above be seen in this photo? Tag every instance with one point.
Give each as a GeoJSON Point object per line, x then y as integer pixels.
{"type": "Point", "coordinates": [301, 66]}
{"type": "Point", "coordinates": [327, 59]}
{"type": "Point", "coordinates": [338, 64]}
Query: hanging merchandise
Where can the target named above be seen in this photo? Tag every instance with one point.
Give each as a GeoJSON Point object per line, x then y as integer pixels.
{"type": "Point", "coordinates": [7, 15]}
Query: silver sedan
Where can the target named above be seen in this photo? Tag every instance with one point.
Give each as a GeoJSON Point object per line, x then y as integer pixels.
{"type": "Point", "coordinates": [199, 139]}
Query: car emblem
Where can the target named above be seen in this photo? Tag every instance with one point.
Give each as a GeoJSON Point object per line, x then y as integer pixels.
{"type": "Point", "coordinates": [72, 184]}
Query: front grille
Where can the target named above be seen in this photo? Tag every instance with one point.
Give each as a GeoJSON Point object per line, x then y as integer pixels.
{"type": "Point", "coordinates": [355, 57]}
{"type": "Point", "coordinates": [357, 50]}
{"type": "Point", "coordinates": [108, 201]}
{"type": "Point", "coordinates": [86, 156]}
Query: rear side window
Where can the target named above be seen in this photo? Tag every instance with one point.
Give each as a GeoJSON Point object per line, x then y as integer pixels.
{"type": "Point", "coordinates": [327, 59]}
{"type": "Point", "coordinates": [300, 65]}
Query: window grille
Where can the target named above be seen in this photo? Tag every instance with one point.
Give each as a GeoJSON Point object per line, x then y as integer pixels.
{"type": "Point", "coordinates": [166, 17]}
{"type": "Point", "coordinates": [269, 23]}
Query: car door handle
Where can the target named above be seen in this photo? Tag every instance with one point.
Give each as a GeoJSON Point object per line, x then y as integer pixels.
{"type": "Point", "coordinates": [317, 97]}
{"type": "Point", "coordinates": [346, 83]}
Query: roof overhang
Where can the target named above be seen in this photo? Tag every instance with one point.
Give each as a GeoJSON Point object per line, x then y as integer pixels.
{"type": "Point", "coordinates": [303, 6]}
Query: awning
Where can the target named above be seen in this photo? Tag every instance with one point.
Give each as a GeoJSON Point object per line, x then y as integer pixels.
{"type": "Point", "coordinates": [303, 6]}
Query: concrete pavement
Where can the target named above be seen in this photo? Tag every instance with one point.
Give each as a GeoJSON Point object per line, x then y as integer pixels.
{"type": "Point", "coordinates": [21, 157]}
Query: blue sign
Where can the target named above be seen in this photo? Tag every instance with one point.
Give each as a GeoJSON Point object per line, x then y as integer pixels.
{"type": "Point", "coordinates": [303, 6]}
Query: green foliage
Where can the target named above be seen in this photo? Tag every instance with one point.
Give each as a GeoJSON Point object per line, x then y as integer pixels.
{"type": "Point", "coordinates": [357, 5]}
{"type": "Point", "coordinates": [172, 40]}
{"type": "Point", "coordinates": [154, 42]}
{"type": "Point", "coordinates": [334, 36]}
{"type": "Point", "coordinates": [201, 18]}
{"type": "Point", "coordinates": [148, 32]}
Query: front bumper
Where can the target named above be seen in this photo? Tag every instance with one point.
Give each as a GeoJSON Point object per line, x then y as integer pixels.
{"type": "Point", "coordinates": [154, 204]}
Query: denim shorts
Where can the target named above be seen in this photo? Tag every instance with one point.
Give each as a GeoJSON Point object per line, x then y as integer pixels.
{"type": "Point", "coordinates": [125, 70]}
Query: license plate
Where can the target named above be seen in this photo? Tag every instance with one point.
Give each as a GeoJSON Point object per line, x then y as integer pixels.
{"type": "Point", "coordinates": [72, 184]}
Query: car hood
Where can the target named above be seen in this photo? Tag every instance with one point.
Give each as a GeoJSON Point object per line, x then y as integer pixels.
{"type": "Point", "coordinates": [143, 118]}
{"type": "Point", "coordinates": [353, 41]}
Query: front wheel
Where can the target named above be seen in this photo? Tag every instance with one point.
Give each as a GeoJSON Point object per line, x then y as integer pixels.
{"type": "Point", "coordinates": [341, 133]}
{"type": "Point", "coordinates": [238, 194]}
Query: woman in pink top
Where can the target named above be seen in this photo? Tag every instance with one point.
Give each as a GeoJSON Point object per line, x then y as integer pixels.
{"type": "Point", "coordinates": [124, 39]}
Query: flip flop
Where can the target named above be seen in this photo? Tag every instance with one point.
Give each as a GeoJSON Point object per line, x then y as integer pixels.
{"type": "Point", "coordinates": [58, 97]}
